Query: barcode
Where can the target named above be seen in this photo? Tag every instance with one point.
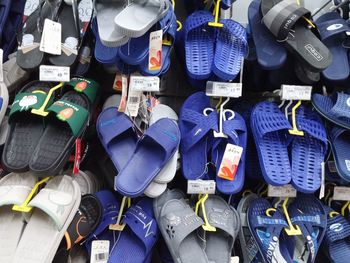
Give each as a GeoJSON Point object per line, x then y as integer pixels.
{"type": "Point", "coordinates": [101, 257]}
{"type": "Point", "coordinates": [133, 99]}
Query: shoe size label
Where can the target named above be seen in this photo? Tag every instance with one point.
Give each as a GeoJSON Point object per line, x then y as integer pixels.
{"type": "Point", "coordinates": [230, 162]}
{"type": "Point", "coordinates": [341, 193]}
{"type": "Point", "coordinates": [54, 73]}
{"type": "Point", "coordinates": [223, 89]}
{"type": "Point", "coordinates": [281, 191]}
{"type": "Point", "coordinates": [99, 251]}
{"type": "Point", "coordinates": [142, 83]}
{"type": "Point", "coordinates": [51, 38]}
{"type": "Point", "coordinates": [155, 50]}
{"type": "Point", "coordinates": [293, 92]}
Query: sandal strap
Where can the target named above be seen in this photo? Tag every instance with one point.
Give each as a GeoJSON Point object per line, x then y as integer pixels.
{"type": "Point", "coordinates": [337, 229]}
{"type": "Point", "coordinates": [331, 24]}
{"type": "Point", "coordinates": [341, 107]}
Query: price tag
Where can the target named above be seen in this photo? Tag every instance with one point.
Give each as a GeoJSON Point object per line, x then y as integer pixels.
{"type": "Point", "coordinates": [291, 92]}
{"type": "Point", "coordinates": [1, 65]}
{"type": "Point", "coordinates": [341, 193]}
{"type": "Point", "coordinates": [281, 191]}
{"type": "Point", "coordinates": [54, 73]}
{"type": "Point", "coordinates": [223, 89]}
{"type": "Point", "coordinates": [133, 103]}
{"type": "Point", "coordinates": [201, 186]}
{"type": "Point", "coordinates": [155, 50]}
{"type": "Point", "coordinates": [141, 83]}
{"type": "Point", "coordinates": [51, 38]}
{"type": "Point", "coordinates": [99, 251]}
{"type": "Point", "coordinates": [230, 161]}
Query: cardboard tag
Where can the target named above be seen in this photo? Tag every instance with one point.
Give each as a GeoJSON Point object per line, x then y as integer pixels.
{"type": "Point", "coordinates": [292, 92]}
{"type": "Point", "coordinates": [201, 186]}
{"type": "Point", "coordinates": [281, 191]}
{"type": "Point", "coordinates": [230, 161]}
{"type": "Point", "coordinates": [124, 97]}
{"type": "Point", "coordinates": [99, 251]}
{"type": "Point", "coordinates": [141, 83]}
{"type": "Point", "coordinates": [223, 89]}
{"type": "Point", "coordinates": [341, 193]}
{"type": "Point", "coordinates": [133, 103]}
{"type": "Point", "coordinates": [120, 81]}
{"type": "Point", "coordinates": [54, 73]}
{"type": "Point", "coordinates": [51, 38]}
{"type": "Point", "coordinates": [155, 50]}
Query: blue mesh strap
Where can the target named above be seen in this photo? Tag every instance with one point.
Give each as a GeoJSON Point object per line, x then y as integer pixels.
{"type": "Point", "coordinates": [341, 108]}
{"type": "Point", "coordinates": [337, 229]}
{"type": "Point", "coordinates": [197, 19]}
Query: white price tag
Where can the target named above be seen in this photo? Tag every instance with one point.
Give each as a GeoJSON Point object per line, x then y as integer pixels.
{"type": "Point", "coordinates": [291, 92]}
{"type": "Point", "coordinates": [99, 251]}
{"type": "Point", "coordinates": [51, 38]}
{"type": "Point", "coordinates": [140, 83]}
{"type": "Point", "coordinates": [133, 103]}
{"type": "Point", "coordinates": [223, 89]}
{"type": "Point", "coordinates": [54, 73]}
{"type": "Point", "coordinates": [235, 259]}
{"type": "Point", "coordinates": [201, 186]}
{"type": "Point", "coordinates": [1, 65]}
{"type": "Point", "coordinates": [281, 191]}
{"type": "Point", "coordinates": [341, 193]}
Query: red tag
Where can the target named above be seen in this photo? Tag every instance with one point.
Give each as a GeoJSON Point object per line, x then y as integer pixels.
{"type": "Point", "coordinates": [77, 158]}
{"type": "Point", "coordinates": [230, 161]}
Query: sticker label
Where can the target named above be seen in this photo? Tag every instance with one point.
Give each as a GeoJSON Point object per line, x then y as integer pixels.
{"type": "Point", "coordinates": [54, 73]}
{"type": "Point", "coordinates": [51, 38]}
{"type": "Point", "coordinates": [341, 193]}
{"type": "Point", "coordinates": [223, 89]}
{"type": "Point", "coordinates": [155, 50]}
{"type": "Point", "coordinates": [281, 191]}
{"type": "Point", "coordinates": [292, 92]}
{"type": "Point", "coordinates": [230, 161]}
{"type": "Point", "coordinates": [99, 251]}
{"type": "Point", "coordinates": [140, 83]}
{"type": "Point", "coordinates": [201, 186]}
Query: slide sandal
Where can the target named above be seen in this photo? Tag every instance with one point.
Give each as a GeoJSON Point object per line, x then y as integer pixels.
{"type": "Point", "coordinates": [270, 53]}
{"type": "Point", "coordinates": [14, 190]}
{"type": "Point", "coordinates": [197, 134]}
{"type": "Point", "coordinates": [308, 213]}
{"type": "Point", "coordinates": [225, 219]}
{"type": "Point", "coordinates": [54, 209]}
{"type": "Point", "coordinates": [230, 50]}
{"type": "Point", "coordinates": [336, 241]}
{"type": "Point", "coordinates": [270, 130]}
{"type": "Point", "coordinates": [67, 121]}
{"type": "Point", "coordinates": [199, 40]}
{"type": "Point", "coordinates": [340, 144]}
{"type": "Point", "coordinates": [139, 235]}
{"type": "Point", "coordinates": [26, 128]}
{"type": "Point", "coordinates": [153, 151]}
{"type": "Point", "coordinates": [139, 16]}
{"type": "Point", "coordinates": [285, 20]}
{"type": "Point", "coordinates": [333, 28]}
{"type": "Point", "coordinates": [267, 231]}
{"type": "Point", "coordinates": [236, 131]}
{"type": "Point", "coordinates": [106, 11]}
{"type": "Point", "coordinates": [308, 151]}
{"type": "Point", "coordinates": [117, 135]}
{"type": "Point", "coordinates": [335, 108]}
{"type": "Point", "coordinates": [178, 224]}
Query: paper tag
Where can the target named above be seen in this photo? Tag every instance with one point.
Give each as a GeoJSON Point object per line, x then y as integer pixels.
{"type": "Point", "coordinates": [133, 103]}
{"type": "Point", "coordinates": [235, 259]}
{"type": "Point", "coordinates": [281, 191]}
{"type": "Point", "coordinates": [120, 81]}
{"type": "Point", "coordinates": [1, 65]}
{"type": "Point", "coordinates": [51, 38]}
{"type": "Point", "coordinates": [201, 186]}
{"type": "Point", "coordinates": [77, 157]}
{"type": "Point", "coordinates": [341, 193]}
{"type": "Point", "coordinates": [291, 92]}
{"type": "Point", "coordinates": [155, 50]}
{"type": "Point", "coordinates": [223, 89]}
{"type": "Point", "coordinates": [331, 166]}
{"type": "Point", "coordinates": [123, 99]}
{"type": "Point", "coordinates": [230, 161]}
{"type": "Point", "coordinates": [54, 73]}
{"type": "Point", "coordinates": [99, 251]}
{"type": "Point", "coordinates": [323, 179]}
{"type": "Point", "coordinates": [141, 83]}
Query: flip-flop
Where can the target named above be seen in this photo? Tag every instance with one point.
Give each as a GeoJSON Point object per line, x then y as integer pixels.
{"type": "Point", "coordinates": [25, 128]}
{"type": "Point", "coordinates": [270, 128]}
{"type": "Point", "coordinates": [308, 151]}
{"type": "Point", "coordinates": [270, 54]}
{"type": "Point", "coordinates": [335, 108]}
{"type": "Point", "coordinates": [308, 213]}
{"type": "Point", "coordinates": [225, 219]}
{"type": "Point", "coordinates": [14, 190]}
{"type": "Point", "coordinates": [139, 235]}
{"type": "Point", "coordinates": [286, 21]}
{"type": "Point", "coordinates": [138, 16]}
{"type": "Point", "coordinates": [333, 28]}
{"type": "Point", "coordinates": [197, 133]}
{"type": "Point", "coordinates": [54, 209]}
{"type": "Point", "coordinates": [153, 151]}
{"type": "Point", "coordinates": [236, 131]}
{"type": "Point", "coordinates": [230, 50]}
{"type": "Point", "coordinates": [67, 120]}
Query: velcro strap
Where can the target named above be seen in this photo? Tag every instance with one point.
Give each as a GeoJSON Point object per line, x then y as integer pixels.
{"type": "Point", "coordinates": [197, 20]}
{"type": "Point", "coordinates": [282, 17]}
{"type": "Point", "coordinates": [338, 229]}
{"type": "Point", "coordinates": [27, 101]}
{"type": "Point", "coordinates": [341, 108]}
{"type": "Point", "coordinates": [86, 86]}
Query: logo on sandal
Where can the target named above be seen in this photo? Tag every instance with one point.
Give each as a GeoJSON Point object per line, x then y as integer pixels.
{"type": "Point", "coordinates": [81, 86]}
{"type": "Point", "coordinates": [334, 27]}
{"type": "Point", "coordinates": [337, 227]}
{"type": "Point", "coordinates": [312, 50]}
{"type": "Point", "coordinates": [27, 101]}
{"type": "Point", "coordinates": [65, 114]}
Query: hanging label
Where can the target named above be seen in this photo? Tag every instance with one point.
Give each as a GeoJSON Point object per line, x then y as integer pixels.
{"type": "Point", "coordinates": [99, 251]}
{"type": "Point", "coordinates": [230, 161]}
{"type": "Point", "coordinates": [223, 89]}
{"type": "Point", "coordinates": [323, 179]}
{"type": "Point", "coordinates": [281, 191]}
{"type": "Point", "coordinates": [133, 103]}
{"type": "Point", "coordinates": [155, 50]}
{"type": "Point", "coordinates": [124, 97]}
{"type": "Point", "coordinates": [331, 166]}
{"type": "Point", "coordinates": [51, 38]}
{"type": "Point", "coordinates": [292, 92]}
{"type": "Point", "coordinates": [77, 157]}
{"type": "Point", "coordinates": [1, 65]}
{"type": "Point", "coordinates": [235, 259]}
{"type": "Point", "coordinates": [120, 81]}
{"type": "Point", "coordinates": [201, 186]}
{"type": "Point", "coordinates": [341, 193]}
{"type": "Point", "coordinates": [141, 83]}
{"type": "Point", "coordinates": [54, 73]}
